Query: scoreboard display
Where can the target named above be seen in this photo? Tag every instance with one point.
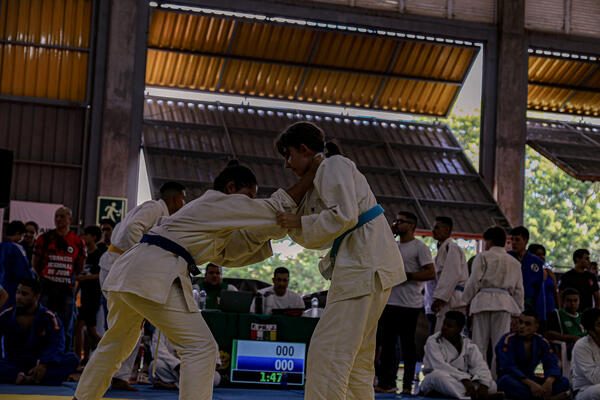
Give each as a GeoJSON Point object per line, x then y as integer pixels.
{"type": "Point", "coordinates": [271, 363]}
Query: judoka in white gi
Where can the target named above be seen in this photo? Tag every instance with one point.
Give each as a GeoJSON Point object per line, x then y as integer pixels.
{"type": "Point", "coordinates": [368, 264]}
{"type": "Point", "coordinates": [585, 364]}
{"type": "Point", "coordinates": [453, 366]}
{"type": "Point", "coordinates": [494, 291]}
{"type": "Point", "coordinates": [225, 226]}
{"type": "Point", "coordinates": [451, 272]}
{"type": "Point", "coordinates": [127, 233]}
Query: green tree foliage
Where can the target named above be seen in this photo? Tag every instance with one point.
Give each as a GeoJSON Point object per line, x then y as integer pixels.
{"type": "Point", "coordinates": [304, 270]}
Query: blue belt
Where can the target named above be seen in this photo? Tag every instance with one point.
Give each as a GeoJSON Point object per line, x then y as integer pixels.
{"type": "Point", "coordinates": [362, 219]}
{"type": "Point", "coordinates": [171, 246]}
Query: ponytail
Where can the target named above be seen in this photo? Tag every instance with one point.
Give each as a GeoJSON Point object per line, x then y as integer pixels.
{"type": "Point", "coordinates": [332, 149]}
{"type": "Point", "coordinates": [241, 176]}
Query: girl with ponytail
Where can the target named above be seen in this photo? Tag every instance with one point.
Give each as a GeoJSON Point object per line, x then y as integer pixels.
{"type": "Point", "coordinates": [225, 226]}
{"type": "Point", "coordinates": [340, 212]}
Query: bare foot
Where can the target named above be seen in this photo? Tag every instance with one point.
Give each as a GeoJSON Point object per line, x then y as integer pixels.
{"type": "Point", "coordinates": [120, 384]}
{"type": "Point", "coordinates": [23, 379]}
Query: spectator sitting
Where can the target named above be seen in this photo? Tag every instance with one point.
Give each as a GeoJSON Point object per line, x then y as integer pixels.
{"type": "Point", "coordinates": [550, 283]}
{"type": "Point", "coordinates": [28, 242]}
{"type": "Point", "coordinates": [213, 285]}
{"type": "Point", "coordinates": [89, 284]}
{"type": "Point", "coordinates": [3, 297]}
{"type": "Point", "coordinates": [13, 261]}
{"type": "Point", "coordinates": [532, 268]}
{"type": "Point", "coordinates": [581, 279]}
{"type": "Point", "coordinates": [58, 258]}
{"type": "Point", "coordinates": [586, 359]}
{"type": "Point", "coordinates": [453, 366]}
{"type": "Point", "coordinates": [564, 324]}
{"type": "Point", "coordinates": [518, 354]}
{"type": "Point", "coordinates": [279, 296]}
{"type": "Point", "coordinates": [166, 373]}
{"type": "Point", "coordinates": [106, 226]}
{"type": "Point", "coordinates": [39, 357]}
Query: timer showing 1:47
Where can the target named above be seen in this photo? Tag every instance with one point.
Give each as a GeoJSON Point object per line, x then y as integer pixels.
{"type": "Point", "coordinates": [271, 377]}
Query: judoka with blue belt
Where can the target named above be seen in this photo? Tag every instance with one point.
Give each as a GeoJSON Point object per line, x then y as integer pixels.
{"type": "Point", "coordinates": [34, 341]}
{"type": "Point", "coordinates": [518, 354]}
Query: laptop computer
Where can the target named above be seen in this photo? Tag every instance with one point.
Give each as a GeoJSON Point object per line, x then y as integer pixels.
{"type": "Point", "coordinates": [237, 302]}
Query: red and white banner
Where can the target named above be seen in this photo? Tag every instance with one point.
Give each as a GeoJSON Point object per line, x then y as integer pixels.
{"type": "Point", "coordinates": [40, 213]}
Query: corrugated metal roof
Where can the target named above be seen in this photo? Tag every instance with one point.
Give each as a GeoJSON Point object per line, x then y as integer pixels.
{"type": "Point", "coordinates": [319, 65]}
{"type": "Point", "coordinates": [565, 85]}
{"type": "Point", "coordinates": [47, 142]}
{"type": "Point", "coordinates": [44, 48]}
{"type": "Point", "coordinates": [574, 148]}
{"type": "Point", "coordinates": [410, 166]}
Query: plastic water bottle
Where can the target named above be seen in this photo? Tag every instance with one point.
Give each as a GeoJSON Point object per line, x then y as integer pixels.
{"type": "Point", "coordinates": [196, 292]}
{"type": "Point", "coordinates": [202, 300]}
{"type": "Point", "coordinates": [314, 307]}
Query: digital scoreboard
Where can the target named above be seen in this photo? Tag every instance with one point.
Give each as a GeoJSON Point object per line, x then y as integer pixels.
{"type": "Point", "coordinates": [271, 363]}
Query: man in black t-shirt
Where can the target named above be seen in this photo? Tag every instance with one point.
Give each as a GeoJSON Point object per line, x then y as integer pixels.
{"type": "Point", "coordinates": [582, 280]}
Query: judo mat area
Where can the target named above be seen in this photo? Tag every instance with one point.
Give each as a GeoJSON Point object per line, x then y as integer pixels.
{"type": "Point", "coordinates": [65, 392]}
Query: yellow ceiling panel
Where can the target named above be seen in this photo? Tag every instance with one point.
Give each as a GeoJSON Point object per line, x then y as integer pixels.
{"type": "Point", "coordinates": [545, 98]}
{"type": "Point", "coordinates": [553, 70]}
{"type": "Point", "coordinates": [584, 103]}
{"type": "Point", "coordinates": [256, 58]}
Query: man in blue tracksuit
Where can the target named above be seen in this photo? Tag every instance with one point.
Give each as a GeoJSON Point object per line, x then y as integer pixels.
{"type": "Point", "coordinates": [33, 341]}
{"type": "Point", "coordinates": [518, 353]}
{"type": "Point", "coordinates": [14, 264]}
{"type": "Point", "coordinates": [532, 268]}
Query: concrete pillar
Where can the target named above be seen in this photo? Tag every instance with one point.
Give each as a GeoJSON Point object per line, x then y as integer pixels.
{"type": "Point", "coordinates": [511, 128]}
{"type": "Point", "coordinates": [123, 99]}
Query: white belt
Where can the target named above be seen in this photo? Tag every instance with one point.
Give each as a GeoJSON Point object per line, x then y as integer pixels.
{"type": "Point", "coordinates": [494, 290]}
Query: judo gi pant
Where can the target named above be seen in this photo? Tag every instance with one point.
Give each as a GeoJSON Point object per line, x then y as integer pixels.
{"type": "Point", "coordinates": [397, 321]}
{"type": "Point", "coordinates": [186, 330]}
{"type": "Point", "coordinates": [442, 313]}
{"type": "Point", "coordinates": [590, 393]}
{"type": "Point", "coordinates": [490, 325]}
{"type": "Point", "coordinates": [443, 383]}
{"type": "Point", "coordinates": [515, 389]}
{"type": "Point", "coordinates": [342, 349]}
{"type": "Point", "coordinates": [56, 373]}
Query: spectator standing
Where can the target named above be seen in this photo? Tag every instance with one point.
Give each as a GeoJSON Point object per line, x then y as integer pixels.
{"type": "Point", "coordinates": [400, 315]}
{"type": "Point", "coordinates": [106, 226]}
{"type": "Point", "coordinates": [453, 366]}
{"type": "Point", "coordinates": [451, 271]}
{"type": "Point", "coordinates": [3, 297]}
{"type": "Point", "coordinates": [89, 286]}
{"type": "Point", "coordinates": [586, 359]}
{"type": "Point", "coordinates": [28, 241]}
{"type": "Point", "coordinates": [213, 285]}
{"type": "Point", "coordinates": [58, 258]}
{"type": "Point", "coordinates": [582, 280]}
{"type": "Point", "coordinates": [278, 296]}
{"type": "Point", "coordinates": [37, 357]}
{"type": "Point", "coordinates": [519, 353]}
{"type": "Point", "coordinates": [532, 269]}
{"type": "Point", "coordinates": [564, 324]}
{"type": "Point", "coordinates": [550, 284]}
{"type": "Point", "coordinates": [13, 261]}
{"type": "Point", "coordinates": [494, 291]}
{"type": "Point", "coordinates": [594, 268]}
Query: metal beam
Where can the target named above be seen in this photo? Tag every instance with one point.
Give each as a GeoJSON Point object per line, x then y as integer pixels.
{"type": "Point", "coordinates": [564, 87]}
{"type": "Point", "coordinates": [352, 16]}
{"type": "Point", "coordinates": [564, 43]}
{"type": "Point", "coordinates": [50, 164]}
{"type": "Point", "coordinates": [310, 58]}
{"type": "Point", "coordinates": [387, 71]}
{"type": "Point", "coordinates": [305, 65]}
{"type": "Point", "coordinates": [42, 101]}
{"type": "Point", "coordinates": [44, 45]}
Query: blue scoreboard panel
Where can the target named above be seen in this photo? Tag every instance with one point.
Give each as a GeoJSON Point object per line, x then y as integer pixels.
{"type": "Point", "coordinates": [272, 363]}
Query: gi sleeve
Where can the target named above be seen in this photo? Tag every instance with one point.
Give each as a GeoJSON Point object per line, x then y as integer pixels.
{"type": "Point", "coordinates": [478, 368]}
{"type": "Point", "coordinates": [505, 356]}
{"type": "Point", "coordinates": [434, 359]}
{"type": "Point", "coordinates": [518, 293]}
{"type": "Point", "coordinates": [451, 273]}
{"type": "Point", "coordinates": [334, 185]}
{"type": "Point", "coordinates": [141, 222]}
{"type": "Point", "coordinates": [474, 282]}
{"type": "Point", "coordinates": [549, 359]}
{"type": "Point", "coordinates": [583, 361]}
{"type": "Point", "coordinates": [55, 339]}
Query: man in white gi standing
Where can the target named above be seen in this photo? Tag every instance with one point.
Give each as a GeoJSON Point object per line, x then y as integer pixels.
{"type": "Point", "coordinates": [494, 291]}
{"type": "Point", "coordinates": [127, 233]}
{"type": "Point", "coordinates": [451, 272]}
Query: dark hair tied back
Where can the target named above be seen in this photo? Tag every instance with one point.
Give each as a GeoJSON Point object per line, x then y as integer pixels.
{"type": "Point", "coordinates": [240, 175]}
{"type": "Point", "coordinates": [308, 134]}
{"type": "Point", "coordinates": [332, 149]}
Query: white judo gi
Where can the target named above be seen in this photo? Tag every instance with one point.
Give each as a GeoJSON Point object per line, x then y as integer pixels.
{"type": "Point", "coordinates": [152, 283]}
{"type": "Point", "coordinates": [585, 369]}
{"type": "Point", "coordinates": [367, 266]}
{"type": "Point", "coordinates": [125, 234]}
{"type": "Point", "coordinates": [451, 273]}
{"type": "Point", "coordinates": [495, 292]}
{"type": "Point", "coordinates": [445, 368]}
